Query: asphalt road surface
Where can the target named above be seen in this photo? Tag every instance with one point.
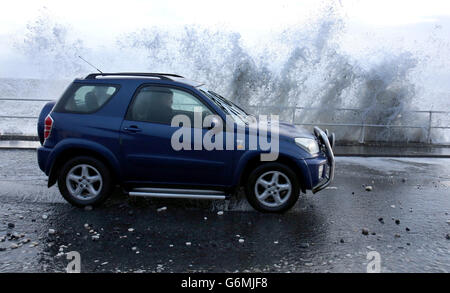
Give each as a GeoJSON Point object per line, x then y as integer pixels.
{"type": "Point", "coordinates": [405, 216]}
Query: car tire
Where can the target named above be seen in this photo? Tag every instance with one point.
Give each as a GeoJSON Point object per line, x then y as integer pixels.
{"type": "Point", "coordinates": [85, 181]}
{"type": "Point", "coordinates": [272, 188]}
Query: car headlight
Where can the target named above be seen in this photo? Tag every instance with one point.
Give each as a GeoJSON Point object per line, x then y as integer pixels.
{"type": "Point", "coordinates": [308, 144]}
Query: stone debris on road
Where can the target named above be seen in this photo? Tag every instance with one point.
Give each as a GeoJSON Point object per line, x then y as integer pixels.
{"type": "Point", "coordinates": [304, 245]}
{"type": "Point", "coordinates": [314, 224]}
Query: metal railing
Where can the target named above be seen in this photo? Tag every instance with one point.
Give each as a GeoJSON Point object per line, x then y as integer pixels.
{"type": "Point", "coordinates": [362, 118]}
{"type": "Point", "coordinates": [22, 100]}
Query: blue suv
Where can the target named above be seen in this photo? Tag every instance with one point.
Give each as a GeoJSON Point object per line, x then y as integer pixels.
{"type": "Point", "coordinates": [117, 129]}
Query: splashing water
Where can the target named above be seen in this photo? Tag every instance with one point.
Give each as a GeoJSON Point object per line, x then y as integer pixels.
{"type": "Point", "coordinates": [304, 66]}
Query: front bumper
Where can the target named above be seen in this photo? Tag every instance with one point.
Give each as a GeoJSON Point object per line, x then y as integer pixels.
{"type": "Point", "coordinates": [324, 140]}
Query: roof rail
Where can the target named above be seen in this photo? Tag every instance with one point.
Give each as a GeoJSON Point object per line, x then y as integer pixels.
{"type": "Point", "coordinates": [170, 74]}
{"type": "Point", "coordinates": [160, 75]}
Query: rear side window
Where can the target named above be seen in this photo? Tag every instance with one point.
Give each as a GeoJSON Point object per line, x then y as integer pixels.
{"type": "Point", "coordinates": [80, 98]}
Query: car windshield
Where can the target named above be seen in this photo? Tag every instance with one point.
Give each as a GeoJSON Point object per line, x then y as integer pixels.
{"type": "Point", "coordinates": [237, 113]}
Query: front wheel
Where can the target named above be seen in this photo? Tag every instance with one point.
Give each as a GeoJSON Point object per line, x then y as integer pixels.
{"type": "Point", "coordinates": [272, 188]}
{"type": "Point", "coordinates": [85, 181]}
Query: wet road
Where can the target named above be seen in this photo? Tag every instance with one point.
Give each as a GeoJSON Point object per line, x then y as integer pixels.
{"type": "Point", "coordinates": [323, 233]}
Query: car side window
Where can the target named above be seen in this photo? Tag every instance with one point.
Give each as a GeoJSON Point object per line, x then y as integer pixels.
{"type": "Point", "coordinates": [160, 104]}
{"type": "Point", "coordinates": [85, 98]}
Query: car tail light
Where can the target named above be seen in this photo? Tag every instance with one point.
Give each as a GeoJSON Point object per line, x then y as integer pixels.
{"type": "Point", "coordinates": [48, 126]}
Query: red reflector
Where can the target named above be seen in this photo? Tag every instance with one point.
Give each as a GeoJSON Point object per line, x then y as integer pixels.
{"type": "Point", "coordinates": [48, 126]}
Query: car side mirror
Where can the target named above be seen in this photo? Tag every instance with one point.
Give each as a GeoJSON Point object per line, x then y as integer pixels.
{"type": "Point", "coordinates": [216, 123]}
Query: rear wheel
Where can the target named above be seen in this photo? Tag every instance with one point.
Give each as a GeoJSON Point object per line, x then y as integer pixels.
{"type": "Point", "coordinates": [272, 188]}
{"type": "Point", "coordinates": [85, 181]}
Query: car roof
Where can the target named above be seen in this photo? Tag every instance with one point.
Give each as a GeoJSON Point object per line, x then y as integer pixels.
{"type": "Point", "coordinates": [144, 76]}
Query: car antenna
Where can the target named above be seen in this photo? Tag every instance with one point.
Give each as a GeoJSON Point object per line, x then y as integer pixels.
{"type": "Point", "coordinates": [90, 64]}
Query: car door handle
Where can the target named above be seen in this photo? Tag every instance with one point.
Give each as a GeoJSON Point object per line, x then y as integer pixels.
{"type": "Point", "coordinates": [132, 129]}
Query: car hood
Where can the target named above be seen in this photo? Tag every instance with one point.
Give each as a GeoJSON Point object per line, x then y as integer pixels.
{"type": "Point", "coordinates": [290, 131]}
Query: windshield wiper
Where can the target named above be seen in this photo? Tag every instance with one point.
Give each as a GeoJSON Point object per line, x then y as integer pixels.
{"type": "Point", "coordinates": [218, 103]}
{"type": "Point", "coordinates": [226, 106]}
{"type": "Point", "coordinates": [230, 103]}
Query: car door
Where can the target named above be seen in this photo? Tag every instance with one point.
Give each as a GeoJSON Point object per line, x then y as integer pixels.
{"type": "Point", "coordinates": [146, 136]}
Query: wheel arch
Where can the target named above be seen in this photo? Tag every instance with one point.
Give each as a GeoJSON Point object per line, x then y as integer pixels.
{"type": "Point", "coordinates": [69, 151]}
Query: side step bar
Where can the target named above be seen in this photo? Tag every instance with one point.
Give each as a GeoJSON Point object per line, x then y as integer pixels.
{"type": "Point", "coordinates": [178, 193]}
